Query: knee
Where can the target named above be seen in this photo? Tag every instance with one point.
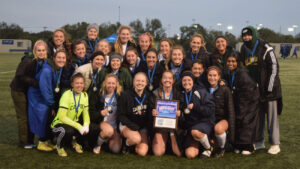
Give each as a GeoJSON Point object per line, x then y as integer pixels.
{"type": "Point", "coordinates": [107, 131]}
{"type": "Point", "coordinates": [190, 153]}
{"type": "Point", "coordinates": [158, 150]}
{"type": "Point", "coordinates": [219, 129]}
{"type": "Point", "coordinates": [197, 134]}
{"type": "Point", "coordinates": [142, 150]}
{"type": "Point", "coordinates": [135, 139]}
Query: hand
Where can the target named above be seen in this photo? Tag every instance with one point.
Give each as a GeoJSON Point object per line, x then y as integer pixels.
{"type": "Point", "coordinates": [190, 106]}
{"type": "Point", "coordinates": [154, 112]}
{"type": "Point", "coordinates": [104, 112]}
{"type": "Point", "coordinates": [84, 130]}
{"type": "Point", "coordinates": [222, 83]}
{"type": "Point", "coordinates": [139, 112]}
{"type": "Point", "coordinates": [53, 112]}
{"type": "Point", "coordinates": [178, 113]}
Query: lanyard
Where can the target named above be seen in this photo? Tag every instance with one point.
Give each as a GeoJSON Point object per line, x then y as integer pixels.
{"type": "Point", "coordinates": [150, 76]}
{"type": "Point", "coordinates": [188, 100]}
{"type": "Point", "coordinates": [134, 69]}
{"type": "Point", "coordinates": [90, 44]}
{"type": "Point", "coordinates": [95, 77]}
{"type": "Point", "coordinates": [79, 61]}
{"type": "Point", "coordinates": [143, 56]}
{"type": "Point", "coordinates": [171, 94]}
{"type": "Point", "coordinates": [140, 102]}
{"type": "Point", "coordinates": [76, 106]}
{"type": "Point", "coordinates": [212, 90]}
{"type": "Point", "coordinates": [39, 64]}
{"type": "Point", "coordinates": [59, 76]}
{"type": "Point", "coordinates": [177, 72]}
{"type": "Point", "coordinates": [110, 100]}
{"type": "Point", "coordinates": [254, 49]}
{"type": "Point", "coordinates": [232, 79]}
{"type": "Point", "coordinates": [115, 73]}
{"type": "Point", "coordinates": [195, 56]}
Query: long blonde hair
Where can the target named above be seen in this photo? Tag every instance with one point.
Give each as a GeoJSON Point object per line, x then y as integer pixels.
{"type": "Point", "coordinates": [119, 87]}
{"type": "Point", "coordinates": [203, 43]}
{"type": "Point", "coordinates": [40, 43]}
{"type": "Point", "coordinates": [150, 38]}
{"type": "Point", "coordinates": [118, 44]}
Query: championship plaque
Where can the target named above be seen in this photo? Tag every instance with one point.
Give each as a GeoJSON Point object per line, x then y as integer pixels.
{"type": "Point", "coordinates": [166, 117]}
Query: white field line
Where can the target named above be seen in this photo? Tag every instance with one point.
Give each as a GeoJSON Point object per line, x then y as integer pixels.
{"type": "Point", "coordinates": [7, 72]}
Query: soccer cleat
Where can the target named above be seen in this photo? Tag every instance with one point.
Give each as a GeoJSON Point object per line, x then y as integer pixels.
{"type": "Point", "coordinates": [274, 149]}
{"type": "Point", "coordinates": [97, 149]}
{"type": "Point", "coordinates": [61, 152]}
{"type": "Point", "coordinates": [44, 147]}
{"type": "Point", "coordinates": [246, 152]}
{"type": "Point", "coordinates": [77, 147]}
{"type": "Point", "coordinates": [218, 152]}
{"type": "Point", "coordinates": [206, 154]}
{"type": "Point", "coordinates": [50, 144]}
{"type": "Point", "coordinates": [29, 146]}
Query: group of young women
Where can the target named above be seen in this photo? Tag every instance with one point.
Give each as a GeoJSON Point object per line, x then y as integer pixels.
{"type": "Point", "coordinates": [92, 95]}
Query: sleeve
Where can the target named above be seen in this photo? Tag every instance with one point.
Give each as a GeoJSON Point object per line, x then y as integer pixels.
{"type": "Point", "coordinates": [101, 77]}
{"type": "Point", "coordinates": [128, 79]}
{"type": "Point", "coordinates": [122, 113]}
{"type": "Point", "coordinates": [231, 114]}
{"type": "Point", "coordinates": [205, 106]}
{"type": "Point", "coordinates": [95, 106]}
{"type": "Point", "coordinates": [24, 73]}
{"type": "Point", "coordinates": [85, 113]}
{"type": "Point", "coordinates": [272, 70]}
{"type": "Point", "coordinates": [45, 84]}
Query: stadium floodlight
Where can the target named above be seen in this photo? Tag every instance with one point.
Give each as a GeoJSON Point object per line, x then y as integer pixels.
{"type": "Point", "coordinates": [219, 24]}
{"type": "Point", "coordinates": [291, 29]}
{"type": "Point", "coordinates": [295, 26]}
{"type": "Point", "coordinates": [260, 25]}
{"type": "Point", "coordinates": [229, 27]}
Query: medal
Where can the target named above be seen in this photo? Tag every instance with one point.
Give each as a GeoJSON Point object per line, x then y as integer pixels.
{"type": "Point", "coordinates": [109, 108]}
{"type": "Point", "coordinates": [139, 107]}
{"type": "Point", "coordinates": [150, 76]}
{"type": "Point", "coordinates": [150, 87]}
{"type": "Point", "coordinates": [56, 89]}
{"type": "Point", "coordinates": [187, 111]}
{"type": "Point", "coordinates": [94, 88]}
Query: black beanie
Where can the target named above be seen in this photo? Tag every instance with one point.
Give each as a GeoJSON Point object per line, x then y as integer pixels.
{"type": "Point", "coordinates": [246, 31]}
{"type": "Point", "coordinates": [187, 73]}
{"type": "Point", "coordinates": [97, 54]}
{"type": "Point", "coordinates": [221, 36]}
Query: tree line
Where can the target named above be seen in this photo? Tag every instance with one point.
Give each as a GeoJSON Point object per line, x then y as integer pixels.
{"type": "Point", "coordinates": [154, 26]}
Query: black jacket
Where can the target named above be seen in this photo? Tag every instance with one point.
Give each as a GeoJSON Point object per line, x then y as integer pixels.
{"type": "Point", "coordinates": [203, 110]}
{"type": "Point", "coordinates": [203, 56]}
{"type": "Point", "coordinates": [127, 113]}
{"type": "Point", "coordinates": [219, 60]}
{"type": "Point", "coordinates": [225, 108]}
{"type": "Point", "coordinates": [51, 48]}
{"type": "Point", "coordinates": [187, 65]}
{"type": "Point", "coordinates": [96, 104]}
{"type": "Point", "coordinates": [246, 105]}
{"type": "Point", "coordinates": [156, 77]}
{"type": "Point", "coordinates": [24, 76]}
{"type": "Point", "coordinates": [268, 68]}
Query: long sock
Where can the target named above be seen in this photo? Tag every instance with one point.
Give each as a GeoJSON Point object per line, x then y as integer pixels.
{"type": "Point", "coordinates": [204, 141]}
{"type": "Point", "coordinates": [221, 139]}
{"type": "Point", "coordinates": [100, 141]}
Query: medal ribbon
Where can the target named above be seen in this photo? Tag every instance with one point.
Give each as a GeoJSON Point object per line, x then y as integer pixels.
{"type": "Point", "coordinates": [110, 100]}
{"type": "Point", "coordinates": [59, 76]}
{"type": "Point", "coordinates": [212, 90]}
{"type": "Point", "coordinates": [76, 106]}
{"type": "Point", "coordinates": [140, 102]}
{"type": "Point", "coordinates": [95, 77]}
{"type": "Point", "coordinates": [79, 61]}
{"type": "Point", "coordinates": [90, 44]}
{"type": "Point", "coordinates": [232, 79]}
{"type": "Point", "coordinates": [188, 100]}
{"type": "Point", "coordinates": [170, 97]}
{"type": "Point", "coordinates": [143, 56]}
{"type": "Point", "coordinates": [194, 56]}
{"type": "Point", "coordinates": [254, 49]}
{"type": "Point", "coordinates": [150, 76]}
{"type": "Point", "coordinates": [177, 74]}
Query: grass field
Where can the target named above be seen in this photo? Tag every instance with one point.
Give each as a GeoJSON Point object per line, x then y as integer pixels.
{"type": "Point", "coordinates": [11, 156]}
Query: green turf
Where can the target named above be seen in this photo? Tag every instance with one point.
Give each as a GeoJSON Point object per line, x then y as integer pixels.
{"type": "Point", "coordinates": [12, 156]}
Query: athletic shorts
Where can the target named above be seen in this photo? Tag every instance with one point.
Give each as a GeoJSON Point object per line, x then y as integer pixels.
{"type": "Point", "coordinates": [122, 127]}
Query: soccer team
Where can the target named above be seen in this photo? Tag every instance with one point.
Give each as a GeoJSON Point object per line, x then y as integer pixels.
{"type": "Point", "coordinates": [93, 95]}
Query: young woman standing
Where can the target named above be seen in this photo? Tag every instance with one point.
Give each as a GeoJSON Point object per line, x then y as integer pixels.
{"type": "Point", "coordinates": [132, 61]}
{"type": "Point", "coordinates": [165, 47]}
{"type": "Point", "coordinates": [197, 50]}
{"type": "Point", "coordinates": [124, 41]}
{"type": "Point", "coordinates": [92, 38]}
{"type": "Point", "coordinates": [146, 42]}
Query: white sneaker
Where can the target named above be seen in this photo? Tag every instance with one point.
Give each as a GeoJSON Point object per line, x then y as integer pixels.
{"type": "Point", "coordinates": [274, 149]}
{"type": "Point", "coordinates": [245, 152]}
{"type": "Point", "coordinates": [29, 146]}
{"type": "Point", "coordinates": [206, 154]}
{"type": "Point", "coordinates": [237, 151]}
{"type": "Point", "coordinates": [259, 145]}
